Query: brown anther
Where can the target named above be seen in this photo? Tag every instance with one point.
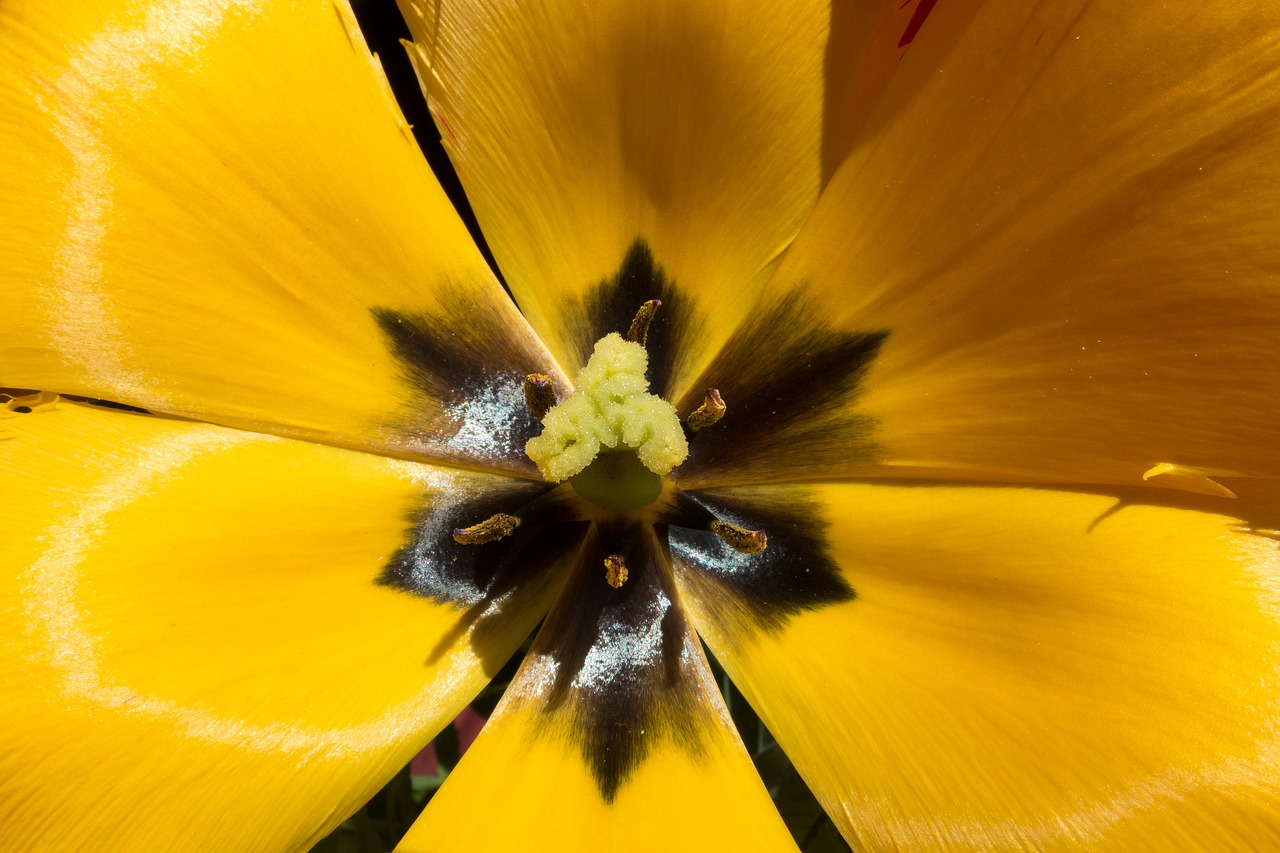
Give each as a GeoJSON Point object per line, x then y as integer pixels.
{"type": "Point", "coordinates": [710, 412]}
{"type": "Point", "coordinates": [615, 570]}
{"type": "Point", "coordinates": [739, 538]}
{"type": "Point", "coordinates": [639, 331]}
{"type": "Point", "coordinates": [491, 529]}
{"type": "Point", "coordinates": [539, 394]}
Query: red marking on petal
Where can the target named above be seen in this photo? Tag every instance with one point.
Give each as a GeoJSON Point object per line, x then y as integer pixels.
{"type": "Point", "coordinates": [439, 118]}
{"type": "Point", "coordinates": [917, 21]}
{"type": "Point", "coordinates": [905, 4]}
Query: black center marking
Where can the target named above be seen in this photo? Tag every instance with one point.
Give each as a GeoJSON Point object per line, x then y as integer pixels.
{"type": "Point", "coordinates": [483, 579]}
{"type": "Point", "coordinates": [612, 304]}
{"type": "Point", "coordinates": [789, 380]}
{"type": "Point", "coordinates": [625, 663]}
{"type": "Point", "coordinates": [794, 574]}
{"type": "Point", "coordinates": [466, 373]}
{"type": "Point", "coordinates": [433, 565]}
{"type": "Point", "coordinates": [620, 669]}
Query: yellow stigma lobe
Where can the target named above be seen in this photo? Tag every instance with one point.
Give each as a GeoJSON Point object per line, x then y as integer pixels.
{"type": "Point", "coordinates": [611, 409]}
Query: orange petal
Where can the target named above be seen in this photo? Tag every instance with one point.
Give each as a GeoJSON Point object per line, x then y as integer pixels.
{"type": "Point", "coordinates": [700, 134]}
{"type": "Point", "coordinates": [1063, 222]}
{"type": "Point", "coordinates": [1016, 668]}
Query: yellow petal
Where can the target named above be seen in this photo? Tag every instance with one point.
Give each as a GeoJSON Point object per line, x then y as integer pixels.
{"type": "Point", "coordinates": [868, 42]}
{"type": "Point", "coordinates": [216, 210]}
{"type": "Point", "coordinates": [1016, 668]}
{"type": "Point", "coordinates": [612, 736]}
{"type": "Point", "coordinates": [1186, 478]}
{"type": "Point", "coordinates": [200, 649]}
{"type": "Point", "coordinates": [618, 152]}
{"type": "Point", "coordinates": [1064, 222]}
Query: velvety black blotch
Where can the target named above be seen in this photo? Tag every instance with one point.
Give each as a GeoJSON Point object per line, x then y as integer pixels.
{"type": "Point", "coordinates": [612, 304]}
{"type": "Point", "coordinates": [465, 365]}
{"type": "Point", "coordinates": [794, 574]}
{"type": "Point", "coordinates": [431, 564]}
{"type": "Point", "coordinates": [788, 378]}
{"type": "Point", "coordinates": [482, 578]}
{"type": "Point", "coordinates": [624, 668]}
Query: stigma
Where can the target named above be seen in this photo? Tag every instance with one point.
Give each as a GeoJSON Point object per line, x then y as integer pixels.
{"type": "Point", "coordinates": [611, 412]}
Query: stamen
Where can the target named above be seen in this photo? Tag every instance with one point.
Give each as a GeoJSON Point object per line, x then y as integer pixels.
{"type": "Point", "coordinates": [710, 412]}
{"type": "Point", "coordinates": [739, 538]}
{"type": "Point", "coordinates": [539, 394]}
{"type": "Point", "coordinates": [491, 529]}
{"type": "Point", "coordinates": [639, 331]}
{"type": "Point", "coordinates": [615, 570]}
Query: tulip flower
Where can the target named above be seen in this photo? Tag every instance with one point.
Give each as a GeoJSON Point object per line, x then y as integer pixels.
{"type": "Point", "coordinates": [919, 359]}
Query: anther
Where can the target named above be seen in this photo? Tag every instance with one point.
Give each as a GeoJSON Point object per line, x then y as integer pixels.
{"type": "Point", "coordinates": [491, 529]}
{"type": "Point", "coordinates": [711, 411]}
{"type": "Point", "coordinates": [615, 570]}
{"type": "Point", "coordinates": [539, 394]}
{"type": "Point", "coordinates": [639, 331]}
{"type": "Point", "coordinates": [739, 538]}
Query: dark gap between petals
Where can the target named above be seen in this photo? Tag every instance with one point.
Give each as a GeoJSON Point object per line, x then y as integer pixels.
{"type": "Point", "coordinates": [105, 404]}
{"type": "Point", "coordinates": [10, 394]}
{"type": "Point", "coordinates": [809, 824]}
{"type": "Point", "coordinates": [917, 21]}
{"type": "Point", "coordinates": [384, 28]}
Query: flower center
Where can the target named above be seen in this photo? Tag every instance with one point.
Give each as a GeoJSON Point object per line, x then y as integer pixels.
{"type": "Point", "coordinates": [612, 439]}
{"type": "Point", "coordinates": [614, 442]}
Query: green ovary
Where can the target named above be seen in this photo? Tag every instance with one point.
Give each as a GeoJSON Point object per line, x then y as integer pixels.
{"type": "Point", "coordinates": [612, 411]}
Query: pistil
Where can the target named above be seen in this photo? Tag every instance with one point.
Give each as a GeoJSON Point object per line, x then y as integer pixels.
{"type": "Point", "coordinates": [611, 410]}
{"type": "Point", "coordinates": [617, 481]}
